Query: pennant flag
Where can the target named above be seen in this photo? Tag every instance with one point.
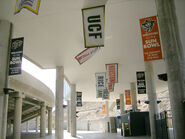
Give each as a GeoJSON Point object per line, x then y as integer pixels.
{"type": "Point", "coordinates": [100, 83]}
{"type": "Point", "coordinates": [141, 84]}
{"type": "Point", "coordinates": [128, 97]}
{"type": "Point", "coordinates": [86, 54]}
{"type": "Point", "coordinates": [112, 73]}
{"type": "Point", "coordinates": [32, 5]}
{"type": "Point", "coordinates": [93, 26]}
{"type": "Point", "coordinates": [150, 39]}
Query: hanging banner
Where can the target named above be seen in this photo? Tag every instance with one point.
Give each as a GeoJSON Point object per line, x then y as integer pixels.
{"type": "Point", "coordinates": [105, 94]}
{"type": "Point", "coordinates": [110, 87]}
{"type": "Point", "coordinates": [150, 39]}
{"type": "Point", "coordinates": [16, 53]}
{"type": "Point", "coordinates": [100, 80]}
{"type": "Point", "coordinates": [118, 104]}
{"type": "Point", "coordinates": [127, 97]}
{"type": "Point", "coordinates": [79, 99]}
{"type": "Point", "coordinates": [141, 84]}
{"type": "Point", "coordinates": [93, 26]}
{"type": "Point", "coordinates": [32, 5]}
{"type": "Point", "coordinates": [112, 73]}
{"type": "Point", "coordinates": [103, 109]}
{"type": "Point", "coordinates": [99, 93]}
{"type": "Point", "coordinates": [86, 54]}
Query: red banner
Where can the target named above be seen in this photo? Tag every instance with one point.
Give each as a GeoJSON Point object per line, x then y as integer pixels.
{"type": "Point", "coordinates": [127, 97]}
{"type": "Point", "coordinates": [150, 39]}
{"type": "Point", "coordinates": [112, 72]}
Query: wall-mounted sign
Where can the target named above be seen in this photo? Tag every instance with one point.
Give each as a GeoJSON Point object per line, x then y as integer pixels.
{"type": "Point", "coordinates": [112, 72]}
{"type": "Point", "coordinates": [127, 97]}
{"type": "Point", "coordinates": [150, 39]}
{"type": "Point", "coordinates": [16, 53]}
{"type": "Point", "coordinates": [118, 104]}
{"type": "Point", "coordinates": [141, 84]}
{"type": "Point", "coordinates": [79, 99]}
{"type": "Point", "coordinates": [86, 54]}
{"type": "Point", "coordinates": [105, 94]}
{"type": "Point", "coordinates": [93, 26]}
{"type": "Point", "coordinates": [110, 87]}
{"type": "Point", "coordinates": [32, 5]}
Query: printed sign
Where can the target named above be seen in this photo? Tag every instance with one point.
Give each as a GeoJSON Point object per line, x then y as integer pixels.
{"type": "Point", "coordinates": [112, 73]}
{"type": "Point", "coordinates": [105, 94]}
{"type": "Point", "coordinates": [103, 109]}
{"type": "Point", "coordinates": [110, 87]}
{"type": "Point", "coordinates": [16, 53]}
{"type": "Point", "coordinates": [79, 99]}
{"type": "Point", "coordinates": [86, 54]}
{"type": "Point", "coordinates": [93, 26]}
{"type": "Point", "coordinates": [141, 84]}
{"type": "Point", "coordinates": [150, 39]}
{"type": "Point", "coordinates": [118, 103]}
{"type": "Point", "coordinates": [128, 97]}
{"type": "Point", "coordinates": [99, 93]}
{"type": "Point", "coordinates": [32, 5]}
{"type": "Point", "coordinates": [100, 80]}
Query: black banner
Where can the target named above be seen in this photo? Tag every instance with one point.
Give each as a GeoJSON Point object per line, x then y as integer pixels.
{"type": "Point", "coordinates": [16, 53]}
{"type": "Point", "coordinates": [79, 99]}
{"type": "Point", "coordinates": [118, 103]}
{"type": "Point", "coordinates": [141, 84]}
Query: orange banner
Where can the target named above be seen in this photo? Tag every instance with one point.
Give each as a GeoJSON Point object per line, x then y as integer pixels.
{"type": "Point", "coordinates": [128, 97]}
{"type": "Point", "coordinates": [150, 39]}
{"type": "Point", "coordinates": [103, 109]}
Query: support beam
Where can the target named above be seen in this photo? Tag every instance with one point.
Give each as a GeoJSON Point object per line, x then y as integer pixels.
{"type": "Point", "coordinates": [122, 104]}
{"type": "Point", "coordinates": [133, 96]}
{"type": "Point", "coordinates": [174, 61]}
{"type": "Point", "coordinates": [73, 110]}
{"type": "Point", "coordinates": [36, 124]}
{"type": "Point", "coordinates": [27, 126]}
{"type": "Point", "coordinates": [43, 120]}
{"type": "Point", "coordinates": [68, 115]}
{"type": "Point", "coordinates": [49, 121]}
{"type": "Point", "coordinates": [59, 116]}
{"type": "Point", "coordinates": [153, 108]}
{"type": "Point", "coordinates": [17, 116]}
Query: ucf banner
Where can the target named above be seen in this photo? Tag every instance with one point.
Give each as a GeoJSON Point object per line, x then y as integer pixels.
{"type": "Point", "coordinates": [32, 5]}
{"type": "Point", "coordinates": [93, 26]}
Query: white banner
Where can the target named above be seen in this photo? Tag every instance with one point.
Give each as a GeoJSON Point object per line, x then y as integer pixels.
{"type": "Point", "coordinates": [100, 81]}
{"type": "Point", "coordinates": [32, 5]}
{"type": "Point", "coordinates": [93, 26]}
{"type": "Point", "coordinates": [112, 73]}
{"type": "Point", "coordinates": [86, 54]}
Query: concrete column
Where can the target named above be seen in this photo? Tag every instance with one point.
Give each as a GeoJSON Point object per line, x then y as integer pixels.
{"type": "Point", "coordinates": [68, 115]}
{"type": "Point", "coordinates": [50, 121]}
{"type": "Point", "coordinates": [5, 28]}
{"type": "Point", "coordinates": [43, 120]}
{"type": "Point", "coordinates": [59, 103]}
{"type": "Point", "coordinates": [73, 110]}
{"type": "Point", "coordinates": [153, 108]}
{"type": "Point", "coordinates": [27, 126]}
{"type": "Point", "coordinates": [174, 61]}
{"type": "Point", "coordinates": [36, 123]}
{"type": "Point", "coordinates": [122, 104]}
{"type": "Point", "coordinates": [133, 96]}
{"type": "Point", "coordinates": [9, 129]}
{"type": "Point", "coordinates": [17, 116]}
{"type": "Point", "coordinates": [107, 108]}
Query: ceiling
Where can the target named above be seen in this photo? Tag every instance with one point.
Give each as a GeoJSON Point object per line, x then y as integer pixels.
{"type": "Point", "coordinates": [55, 36]}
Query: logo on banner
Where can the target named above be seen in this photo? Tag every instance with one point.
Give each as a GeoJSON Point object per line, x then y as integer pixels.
{"type": "Point", "coordinates": [141, 84]}
{"type": "Point", "coordinates": [32, 5]}
{"type": "Point", "coordinates": [16, 53]}
{"type": "Point", "coordinates": [86, 54]}
{"type": "Point", "coordinates": [128, 97]}
{"type": "Point", "coordinates": [112, 73]}
{"type": "Point", "coordinates": [93, 26]}
{"type": "Point", "coordinates": [150, 39]}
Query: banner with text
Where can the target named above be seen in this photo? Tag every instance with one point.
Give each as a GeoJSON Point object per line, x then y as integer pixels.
{"type": "Point", "coordinates": [100, 83]}
{"type": "Point", "coordinates": [118, 104]}
{"type": "Point", "coordinates": [110, 87]}
{"type": "Point", "coordinates": [32, 5]}
{"type": "Point", "coordinates": [112, 73]}
{"type": "Point", "coordinates": [86, 54]}
{"type": "Point", "coordinates": [93, 26]}
{"type": "Point", "coordinates": [127, 97]}
{"type": "Point", "coordinates": [16, 53]}
{"type": "Point", "coordinates": [79, 99]}
{"type": "Point", "coordinates": [150, 39]}
{"type": "Point", "coordinates": [141, 84]}
{"type": "Point", "coordinates": [105, 94]}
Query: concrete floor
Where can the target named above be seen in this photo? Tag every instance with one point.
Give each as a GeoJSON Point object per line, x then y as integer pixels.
{"type": "Point", "coordinates": [80, 135]}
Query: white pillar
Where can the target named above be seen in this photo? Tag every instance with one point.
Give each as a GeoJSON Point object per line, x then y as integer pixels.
{"type": "Point", "coordinates": [73, 110]}
{"type": "Point", "coordinates": [122, 104]}
{"type": "Point", "coordinates": [36, 124]}
{"type": "Point", "coordinates": [43, 120]}
{"type": "Point", "coordinates": [49, 121]}
{"type": "Point", "coordinates": [107, 108]}
{"type": "Point", "coordinates": [17, 116]}
{"type": "Point", "coordinates": [5, 27]}
{"type": "Point", "coordinates": [27, 126]}
{"type": "Point", "coordinates": [59, 103]}
{"type": "Point", "coordinates": [153, 108]}
{"type": "Point", "coordinates": [174, 61]}
{"type": "Point", "coordinates": [68, 115]}
{"type": "Point", "coordinates": [133, 96]}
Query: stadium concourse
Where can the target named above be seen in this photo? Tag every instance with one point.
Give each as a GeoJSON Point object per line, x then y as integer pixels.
{"type": "Point", "coordinates": [118, 69]}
